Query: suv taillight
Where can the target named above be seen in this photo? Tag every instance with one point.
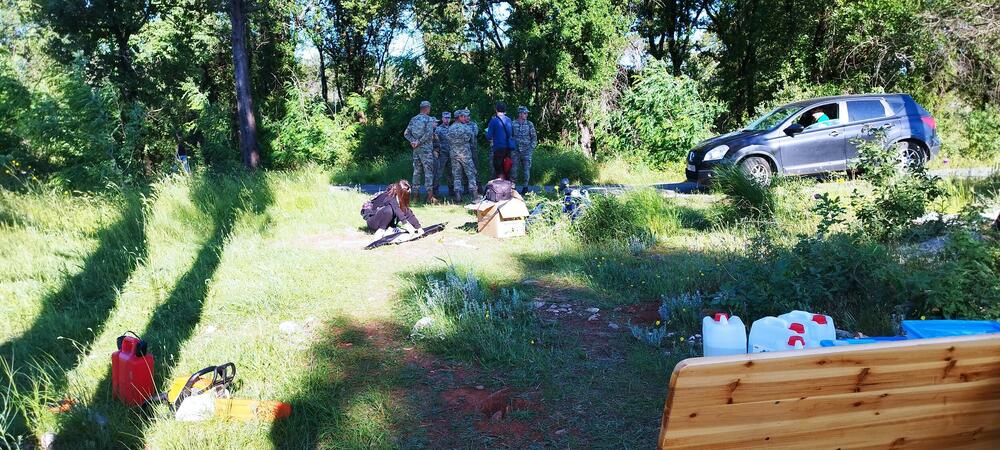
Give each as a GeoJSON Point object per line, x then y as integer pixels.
{"type": "Point", "coordinates": [930, 122]}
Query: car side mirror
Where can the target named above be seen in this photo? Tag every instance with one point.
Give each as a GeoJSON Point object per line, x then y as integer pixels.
{"type": "Point", "coordinates": [794, 129]}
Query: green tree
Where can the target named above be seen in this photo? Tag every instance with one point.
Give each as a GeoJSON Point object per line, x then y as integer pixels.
{"type": "Point", "coordinates": [669, 27]}
{"type": "Point", "coordinates": [661, 116]}
{"type": "Point", "coordinates": [567, 53]}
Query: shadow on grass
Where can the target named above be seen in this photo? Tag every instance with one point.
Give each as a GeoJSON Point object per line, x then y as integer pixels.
{"type": "Point", "coordinates": [72, 317]}
{"type": "Point", "coordinates": [578, 384]}
{"type": "Point", "coordinates": [694, 218]}
{"type": "Point", "coordinates": [358, 392]}
{"type": "Point", "coordinates": [173, 322]}
{"type": "Point", "coordinates": [620, 277]}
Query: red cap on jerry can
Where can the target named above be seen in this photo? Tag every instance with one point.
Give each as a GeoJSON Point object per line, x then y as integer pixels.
{"type": "Point", "coordinates": [819, 318]}
{"type": "Point", "coordinates": [719, 316]}
{"type": "Point", "coordinates": [793, 339]}
{"type": "Point", "coordinates": [797, 327]}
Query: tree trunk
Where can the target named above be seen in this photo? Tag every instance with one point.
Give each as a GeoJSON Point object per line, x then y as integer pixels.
{"type": "Point", "coordinates": [586, 138]}
{"type": "Point", "coordinates": [322, 75]}
{"type": "Point", "coordinates": [244, 100]}
{"type": "Point", "coordinates": [818, 39]}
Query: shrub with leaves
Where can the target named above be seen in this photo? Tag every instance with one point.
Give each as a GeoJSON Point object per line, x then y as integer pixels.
{"type": "Point", "coordinates": [661, 117]}
{"type": "Point", "coordinates": [683, 313]}
{"type": "Point", "coordinates": [982, 129]}
{"type": "Point", "coordinates": [830, 211]}
{"type": "Point", "coordinates": [969, 283]}
{"type": "Point", "coordinates": [858, 281]}
{"type": "Point", "coordinates": [899, 194]}
{"type": "Point", "coordinates": [552, 163]}
{"type": "Point", "coordinates": [308, 133]}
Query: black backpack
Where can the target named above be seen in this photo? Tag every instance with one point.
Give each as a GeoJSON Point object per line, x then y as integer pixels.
{"type": "Point", "coordinates": [499, 190]}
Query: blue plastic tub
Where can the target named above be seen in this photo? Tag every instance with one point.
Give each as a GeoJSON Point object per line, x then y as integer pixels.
{"type": "Point", "coordinates": [867, 340]}
{"type": "Point", "coordinates": [921, 329]}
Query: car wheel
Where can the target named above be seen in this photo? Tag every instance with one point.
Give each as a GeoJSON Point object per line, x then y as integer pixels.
{"type": "Point", "coordinates": [910, 154]}
{"type": "Point", "coordinates": [757, 168]}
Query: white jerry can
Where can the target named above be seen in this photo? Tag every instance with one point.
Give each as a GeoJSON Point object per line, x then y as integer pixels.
{"type": "Point", "coordinates": [723, 335]}
{"type": "Point", "coordinates": [771, 334]}
{"type": "Point", "coordinates": [819, 327]}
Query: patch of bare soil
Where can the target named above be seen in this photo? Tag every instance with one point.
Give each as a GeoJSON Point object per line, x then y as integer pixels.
{"type": "Point", "coordinates": [505, 416]}
{"type": "Point", "coordinates": [344, 239]}
{"type": "Point", "coordinates": [451, 396]}
{"type": "Point", "coordinates": [643, 313]}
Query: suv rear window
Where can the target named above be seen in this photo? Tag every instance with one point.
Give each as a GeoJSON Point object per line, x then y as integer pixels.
{"type": "Point", "coordinates": [861, 110]}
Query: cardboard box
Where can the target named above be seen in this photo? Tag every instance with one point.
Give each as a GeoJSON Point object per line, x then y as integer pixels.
{"type": "Point", "coordinates": [502, 219]}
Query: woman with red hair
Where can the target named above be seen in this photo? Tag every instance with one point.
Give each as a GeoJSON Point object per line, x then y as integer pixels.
{"type": "Point", "coordinates": [391, 208]}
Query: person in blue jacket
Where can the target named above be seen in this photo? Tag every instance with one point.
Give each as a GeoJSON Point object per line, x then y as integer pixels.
{"type": "Point", "coordinates": [499, 132]}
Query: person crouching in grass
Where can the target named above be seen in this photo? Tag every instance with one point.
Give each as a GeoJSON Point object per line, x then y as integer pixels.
{"type": "Point", "coordinates": [391, 209]}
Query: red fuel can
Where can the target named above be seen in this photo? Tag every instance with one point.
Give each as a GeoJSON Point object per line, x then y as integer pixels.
{"type": "Point", "coordinates": [132, 371]}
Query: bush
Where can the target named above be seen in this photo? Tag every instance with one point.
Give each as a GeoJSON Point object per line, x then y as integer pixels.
{"type": "Point", "coordinates": [965, 282]}
{"type": "Point", "coordinates": [899, 195]}
{"type": "Point", "coordinates": [661, 117]}
{"type": "Point", "coordinates": [307, 133]}
{"type": "Point", "coordinates": [859, 282]}
{"type": "Point", "coordinates": [642, 215]}
{"type": "Point", "coordinates": [983, 133]}
{"type": "Point", "coordinates": [867, 285]}
{"type": "Point", "coordinates": [552, 163]}
{"type": "Point", "coordinates": [457, 318]}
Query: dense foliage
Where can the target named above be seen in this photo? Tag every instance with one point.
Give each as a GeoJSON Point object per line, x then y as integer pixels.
{"type": "Point", "coordinates": [97, 92]}
{"type": "Point", "coordinates": [661, 117]}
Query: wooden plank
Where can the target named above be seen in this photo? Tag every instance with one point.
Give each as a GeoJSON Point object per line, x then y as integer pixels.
{"type": "Point", "coordinates": [932, 393]}
{"type": "Point", "coordinates": [956, 427]}
{"type": "Point", "coordinates": [749, 388]}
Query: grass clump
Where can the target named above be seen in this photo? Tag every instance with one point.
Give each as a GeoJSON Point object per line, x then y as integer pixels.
{"type": "Point", "coordinates": [638, 217]}
{"type": "Point", "coordinates": [746, 197]}
{"type": "Point", "coordinates": [455, 317]}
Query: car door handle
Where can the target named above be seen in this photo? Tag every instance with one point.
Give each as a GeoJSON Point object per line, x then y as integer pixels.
{"type": "Point", "coordinates": [887, 126]}
{"type": "Point", "coordinates": [834, 133]}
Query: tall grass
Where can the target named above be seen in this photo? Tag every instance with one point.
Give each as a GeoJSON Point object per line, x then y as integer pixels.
{"type": "Point", "coordinates": [780, 204]}
{"type": "Point", "coordinates": [637, 216]}
{"type": "Point", "coordinates": [625, 171]}
{"type": "Point", "coordinates": [959, 193]}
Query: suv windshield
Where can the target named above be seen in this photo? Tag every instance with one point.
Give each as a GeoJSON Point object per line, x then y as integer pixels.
{"type": "Point", "coordinates": [772, 119]}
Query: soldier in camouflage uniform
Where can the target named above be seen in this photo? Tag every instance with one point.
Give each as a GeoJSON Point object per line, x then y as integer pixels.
{"type": "Point", "coordinates": [525, 139]}
{"type": "Point", "coordinates": [462, 140]}
{"type": "Point", "coordinates": [442, 154]}
{"type": "Point", "coordinates": [420, 133]}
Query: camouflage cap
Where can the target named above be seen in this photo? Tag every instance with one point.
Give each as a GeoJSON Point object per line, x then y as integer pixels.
{"type": "Point", "coordinates": [462, 112]}
{"type": "Point", "coordinates": [425, 104]}
{"type": "Point", "coordinates": [445, 115]}
{"type": "Point", "coordinates": [522, 109]}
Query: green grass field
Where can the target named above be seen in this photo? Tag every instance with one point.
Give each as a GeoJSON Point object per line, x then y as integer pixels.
{"type": "Point", "coordinates": [207, 270]}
